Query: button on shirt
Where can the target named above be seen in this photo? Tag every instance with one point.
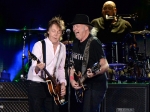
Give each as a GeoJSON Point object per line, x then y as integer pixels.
{"type": "Point", "coordinates": [51, 60]}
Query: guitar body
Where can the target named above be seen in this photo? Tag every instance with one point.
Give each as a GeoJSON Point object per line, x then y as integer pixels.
{"type": "Point", "coordinates": [80, 79]}
{"type": "Point", "coordinates": [79, 93]}
{"type": "Point", "coordinates": [55, 91]}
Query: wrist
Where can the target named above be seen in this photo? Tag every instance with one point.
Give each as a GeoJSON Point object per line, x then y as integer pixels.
{"type": "Point", "coordinates": [63, 84]}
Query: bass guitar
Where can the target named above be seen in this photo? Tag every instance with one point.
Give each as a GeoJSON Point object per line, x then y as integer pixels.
{"type": "Point", "coordinates": [81, 78]}
{"type": "Point", "coordinates": [53, 87]}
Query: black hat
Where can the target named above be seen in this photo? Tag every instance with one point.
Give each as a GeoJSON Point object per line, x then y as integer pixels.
{"type": "Point", "coordinates": [81, 19]}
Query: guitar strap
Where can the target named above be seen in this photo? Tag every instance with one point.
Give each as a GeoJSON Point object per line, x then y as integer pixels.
{"type": "Point", "coordinates": [86, 54]}
{"type": "Point", "coordinates": [57, 60]}
{"type": "Point", "coordinates": [44, 55]}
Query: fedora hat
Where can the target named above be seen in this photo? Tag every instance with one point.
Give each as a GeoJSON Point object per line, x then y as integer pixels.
{"type": "Point", "coordinates": [81, 19]}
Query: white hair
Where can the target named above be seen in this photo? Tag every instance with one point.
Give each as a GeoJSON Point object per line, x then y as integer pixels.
{"type": "Point", "coordinates": [94, 31]}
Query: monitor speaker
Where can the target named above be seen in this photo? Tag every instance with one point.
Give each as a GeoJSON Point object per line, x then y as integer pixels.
{"type": "Point", "coordinates": [14, 106]}
{"type": "Point", "coordinates": [126, 98]}
{"type": "Point", "coordinates": [13, 90]}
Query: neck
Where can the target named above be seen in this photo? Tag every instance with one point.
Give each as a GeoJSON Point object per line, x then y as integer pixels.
{"type": "Point", "coordinates": [55, 44]}
{"type": "Point", "coordinates": [55, 47]}
{"type": "Point", "coordinates": [85, 37]}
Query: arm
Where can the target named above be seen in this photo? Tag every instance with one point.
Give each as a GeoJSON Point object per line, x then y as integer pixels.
{"type": "Point", "coordinates": [104, 66]}
{"type": "Point", "coordinates": [73, 83]}
{"type": "Point", "coordinates": [61, 71]}
{"type": "Point", "coordinates": [96, 53]}
{"type": "Point", "coordinates": [61, 67]}
{"type": "Point", "coordinates": [36, 67]}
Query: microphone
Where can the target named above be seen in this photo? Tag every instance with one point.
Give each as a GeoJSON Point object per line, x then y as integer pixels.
{"type": "Point", "coordinates": [68, 31]}
{"type": "Point", "coordinates": [133, 16]}
{"type": "Point", "coordinates": [109, 17]}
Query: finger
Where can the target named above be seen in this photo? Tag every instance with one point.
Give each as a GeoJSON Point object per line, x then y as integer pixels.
{"type": "Point", "coordinates": [63, 93]}
{"type": "Point", "coordinates": [79, 87]}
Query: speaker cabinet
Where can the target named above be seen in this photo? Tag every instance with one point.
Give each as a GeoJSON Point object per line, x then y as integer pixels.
{"type": "Point", "coordinates": [14, 106]}
{"type": "Point", "coordinates": [13, 90]}
{"type": "Point", "coordinates": [13, 97]}
{"type": "Point", "coordinates": [127, 98]}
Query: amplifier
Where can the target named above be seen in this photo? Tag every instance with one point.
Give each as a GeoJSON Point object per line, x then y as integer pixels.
{"type": "Point", "coordinates": [13, 90]}
{"type": "Point", "coordinates": [127, 98]}
{"type": "Point", "coordinates": [14, 106]}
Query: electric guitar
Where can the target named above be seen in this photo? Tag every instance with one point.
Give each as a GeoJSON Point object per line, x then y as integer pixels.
{"type": "Point", "coordinates": [80, 79]}
{"type": "Point", "coordinates": [53, 87]}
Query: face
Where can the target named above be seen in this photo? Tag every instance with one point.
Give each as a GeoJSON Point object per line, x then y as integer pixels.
{"type": "Point", "coordinates": [55, 34]}
{"type": "Point", "coordinates": [109, 9]}
{"type": "Point", "coordinates": [80, 31]}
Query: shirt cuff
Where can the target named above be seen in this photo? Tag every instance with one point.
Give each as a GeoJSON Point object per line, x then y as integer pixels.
{"type": "Point", "coordinates": [63, 80]}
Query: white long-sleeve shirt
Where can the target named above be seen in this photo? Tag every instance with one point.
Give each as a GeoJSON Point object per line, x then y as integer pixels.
{"type": "Point", "coordinates": [51, 60]}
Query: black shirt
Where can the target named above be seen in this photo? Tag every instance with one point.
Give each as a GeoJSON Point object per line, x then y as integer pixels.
{"type": "Point", "coordinates": [95, 54]}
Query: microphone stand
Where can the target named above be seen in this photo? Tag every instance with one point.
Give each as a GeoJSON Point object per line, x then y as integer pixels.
{"type": "Point", "coordinates": [23, 57]}
{"type": "Point", "coordinates": [68, 69]}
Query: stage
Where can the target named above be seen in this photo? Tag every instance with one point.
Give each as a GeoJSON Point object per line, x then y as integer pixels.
{"type": "Point", "coordinates": [120, 97]}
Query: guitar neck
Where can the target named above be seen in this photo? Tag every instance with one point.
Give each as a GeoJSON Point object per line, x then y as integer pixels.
{"type": "Point", "coordinates": [82, 79]}
{"type": "Point", "coordinates": [93, 69]}
{"type": "Point", "coordinates": [48, 74]}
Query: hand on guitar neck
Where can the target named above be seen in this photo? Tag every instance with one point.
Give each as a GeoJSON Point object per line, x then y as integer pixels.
{"type": "Point", "coordinates": [77, 79]}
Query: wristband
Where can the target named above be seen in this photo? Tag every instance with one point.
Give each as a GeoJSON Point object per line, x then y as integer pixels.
{"type": "Point", "coordinates": [71, 77]}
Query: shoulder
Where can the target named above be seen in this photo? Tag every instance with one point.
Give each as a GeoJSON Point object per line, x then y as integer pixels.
{"type": "Point", "coordinates": [62, 45]}
{"type": "Point", "coordinates": [125, 22]}
{"type": "Point", "coordinates": [38, 43]}
{"type": "Point", "coordinates": [96, 20]}
{"type": "Point", "coordinates": [95, 42]}
{"type": "Point", "coordinates": [37, 47]}
{"type": "Point", "coordinates": [75, 41]}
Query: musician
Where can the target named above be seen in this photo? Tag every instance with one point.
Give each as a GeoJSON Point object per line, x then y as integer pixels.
{"type": "Point", "coordinates": [114, 32]}
{"type": "Point", "coordinates": [40, 98]}
{"type": "Point", "coordinates": [111, 28]}
{"type": "Point", "coordinates": [96, 83]}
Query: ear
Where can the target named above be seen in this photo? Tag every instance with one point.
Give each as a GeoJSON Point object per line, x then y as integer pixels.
{"type": "Point", "coordinates": [86, 27]}
{"type": "Point", "coordinates": [115, 11]}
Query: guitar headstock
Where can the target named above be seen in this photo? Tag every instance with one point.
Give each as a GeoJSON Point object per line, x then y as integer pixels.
{"type": "Point", "coordinates": [32, 56]}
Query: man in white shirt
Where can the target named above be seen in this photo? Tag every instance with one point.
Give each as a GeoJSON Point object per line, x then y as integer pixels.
{"type": "Point", "coordinates": [40, 98]}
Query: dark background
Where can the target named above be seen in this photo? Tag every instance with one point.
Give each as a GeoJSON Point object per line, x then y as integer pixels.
{"type": "Point", "coordinates": [18, 14]}
{"type": "Point", "coordinates": [35, 13]}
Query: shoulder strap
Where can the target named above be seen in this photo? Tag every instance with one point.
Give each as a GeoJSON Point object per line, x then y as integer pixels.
{"type": "Point", "coordinates": [86, 54]}
{"type": "Point", "coordinates": [57, 59]}
{"type": "Point", "coordinates": [44, 55]}
{"type": "Point", "coordinates": [44, 50]}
